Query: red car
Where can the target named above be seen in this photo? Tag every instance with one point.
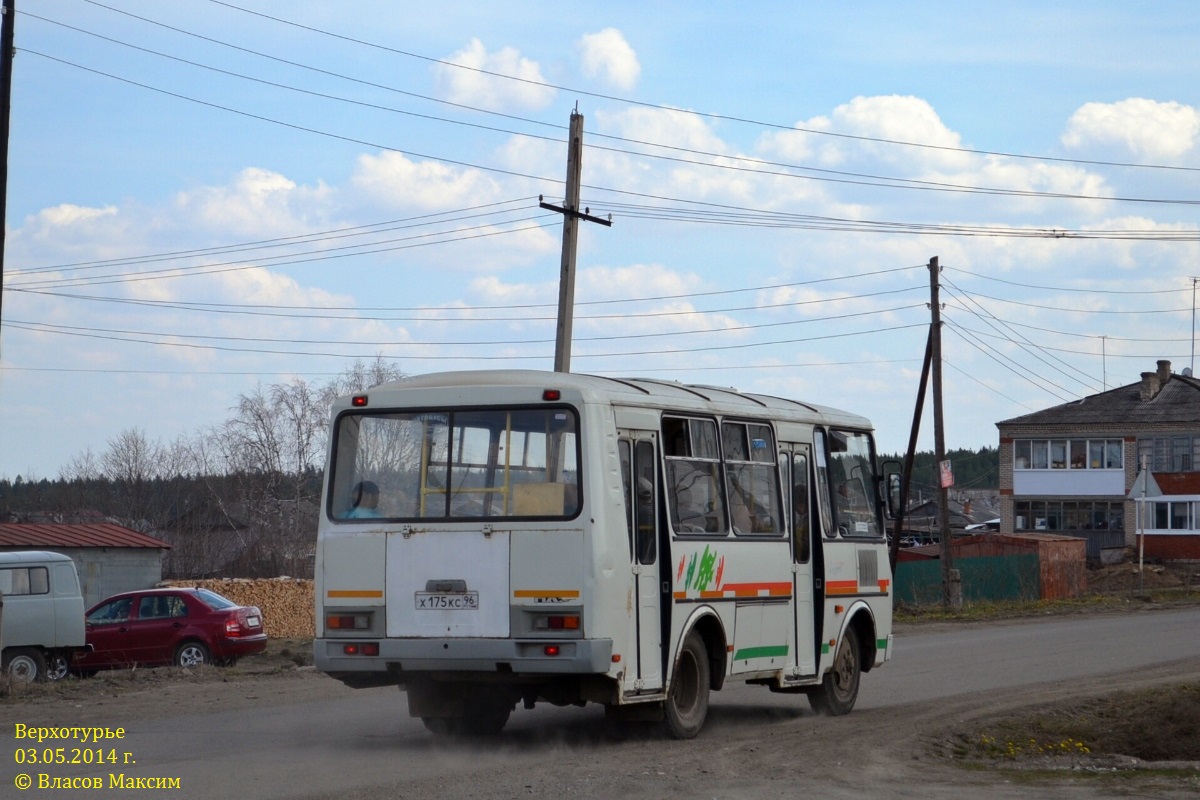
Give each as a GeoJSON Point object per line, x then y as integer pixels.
{"type": "Point", "coordinates": [184, 627]}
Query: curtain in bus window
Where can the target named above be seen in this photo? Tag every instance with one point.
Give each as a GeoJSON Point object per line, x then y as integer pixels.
{"type": "Point", "coordinates": [752, 479]}
{"type": "Point", "coordinates": [695, 500]}
{"type": "Point", "coordinates": [472, 464]}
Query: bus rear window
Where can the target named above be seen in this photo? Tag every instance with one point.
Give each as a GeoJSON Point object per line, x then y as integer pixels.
{"type": "Point", "coordinates": [456, 464]}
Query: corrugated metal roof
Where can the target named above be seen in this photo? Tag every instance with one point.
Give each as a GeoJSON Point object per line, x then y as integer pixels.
{"type": "Point", "coordinates": [34, 535]}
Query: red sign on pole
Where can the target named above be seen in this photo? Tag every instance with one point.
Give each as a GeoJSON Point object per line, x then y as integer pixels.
{"type": "Point", "coordinates": [947, 474]}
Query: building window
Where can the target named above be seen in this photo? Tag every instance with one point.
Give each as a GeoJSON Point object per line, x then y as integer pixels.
{"type": "Point", "coordinates": [1068, 515]}
{"type": "Point", "coordinates": [1173, 516]}
{"type": "Point", "coordinates": [1068, 454]}
{"type": "Point", "coordinates": [1170, 453]}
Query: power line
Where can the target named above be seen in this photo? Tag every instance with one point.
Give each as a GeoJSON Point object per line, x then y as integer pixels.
{"type": "Point", "coordinates": [442, 218]}
{"type": "Point", "coordinates": [285, 260]}
{"type": "Point", "coordinates": [821, 174]}
{"type": "Point", "coordinates": [258, 309]}
{"type": "Point", "coordinates": [39, 328]}
{"type": "Point", "coordinates": [723, 117]}
{"type": "Point", "coordinates": [1025, 344]}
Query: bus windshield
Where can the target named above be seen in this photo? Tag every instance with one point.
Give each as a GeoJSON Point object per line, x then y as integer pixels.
{"type": "Point", "coordinates": [450, 464]}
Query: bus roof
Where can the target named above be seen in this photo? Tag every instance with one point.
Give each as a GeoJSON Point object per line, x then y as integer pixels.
{"type": "Point", "coordinates": [643, 392]}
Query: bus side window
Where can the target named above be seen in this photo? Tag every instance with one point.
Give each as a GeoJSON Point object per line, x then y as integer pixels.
{"type": "Point", "coordinates": [695, 498]}
{"type": "Point", "coordinates": [824, 494]}
{"type": "Point", "coordinates": [646, 515]}
{"type": "Point", "coordinates": [623, 450]}
{"type": "Point", "coordinates": [801, 543]}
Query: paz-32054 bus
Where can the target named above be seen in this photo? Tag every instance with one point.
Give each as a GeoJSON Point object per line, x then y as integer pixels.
{"type": "Point", "coordinates": [504, 537]}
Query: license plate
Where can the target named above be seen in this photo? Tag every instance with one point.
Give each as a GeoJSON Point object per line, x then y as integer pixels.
{"type": "Point", "coordinates": [253, 622]}
{"type": "Point", "coordinates": [441, 601]}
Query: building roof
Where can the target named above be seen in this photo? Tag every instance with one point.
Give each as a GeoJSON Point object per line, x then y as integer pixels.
{"type": "Point", "coordinates": [1174, 401]}
{"type": "Point", "coordinates": [38, 536]}
{"type": "Point", "coordinates": [1173, 483]}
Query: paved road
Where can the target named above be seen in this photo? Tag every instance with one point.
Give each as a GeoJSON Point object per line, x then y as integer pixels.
{"type": "Point", "coordinates": [362, 743]}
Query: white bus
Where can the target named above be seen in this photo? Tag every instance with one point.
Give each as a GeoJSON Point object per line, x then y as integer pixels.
{"type": "Point", "coordinates": [492, 538]}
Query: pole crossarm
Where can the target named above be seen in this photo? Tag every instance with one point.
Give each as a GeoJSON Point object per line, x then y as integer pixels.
{"type": "Point", "coordinates": [570, 212]}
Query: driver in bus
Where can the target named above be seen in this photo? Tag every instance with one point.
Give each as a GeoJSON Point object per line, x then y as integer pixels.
{"type": "Point", "coordinates": [366, 501]}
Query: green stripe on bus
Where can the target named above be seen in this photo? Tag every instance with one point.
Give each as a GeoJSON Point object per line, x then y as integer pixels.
{"type": "Point", "coordinates": [881, 644]}
{"type": "Point", "coordinates": [771, 651]}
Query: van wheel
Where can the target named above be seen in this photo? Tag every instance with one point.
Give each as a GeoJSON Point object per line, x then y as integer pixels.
{"type": "Point", "coordinates": [686, 705]}
{"type": "Point", "coordinates": [58, 666]}
{"type": "Point", "coordinates": [25, 665]}
{"type": "Point", "coordinates": [839, 689]}
{"type": "Point", "coordinates": [192, 654]}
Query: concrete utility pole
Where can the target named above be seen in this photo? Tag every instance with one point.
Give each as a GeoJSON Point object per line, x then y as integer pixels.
{"type": "Point", "coordinates": [7, 52]}
{"type": "Point", "coordinates": [571, 216]}
{"type": "Point", "coordinates": [939, 434]}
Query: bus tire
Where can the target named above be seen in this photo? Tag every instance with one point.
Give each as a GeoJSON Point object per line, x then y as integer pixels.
{"type": "Point", "coordinates": [839, 688]}
{"type": "Point", "coordinates": [686, 705]}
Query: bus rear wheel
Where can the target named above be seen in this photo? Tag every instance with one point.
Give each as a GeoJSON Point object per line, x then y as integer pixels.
{"type": "Point", "coordinates": [839, 689]}
{"type": "Point", "coordinates": [686, 705]}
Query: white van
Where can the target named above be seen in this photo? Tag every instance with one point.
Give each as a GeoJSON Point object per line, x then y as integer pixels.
{"type": "Point", "coordinates": [41, 616]}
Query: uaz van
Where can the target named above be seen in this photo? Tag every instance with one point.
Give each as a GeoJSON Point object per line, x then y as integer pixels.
{"type": "Point", "coordinates": [41, 616]}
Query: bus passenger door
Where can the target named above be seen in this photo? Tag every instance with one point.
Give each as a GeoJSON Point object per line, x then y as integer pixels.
{"type": "Point", "coordinates": [800, 503]}
{"type": "Point", "coordinates": [641, 495]}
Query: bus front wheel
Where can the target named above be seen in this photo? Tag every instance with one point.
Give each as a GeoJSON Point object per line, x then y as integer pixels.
{"type": "Point", "coordinates": [686, 705]}
{"type": "Point", "coordinates": [839, 689]}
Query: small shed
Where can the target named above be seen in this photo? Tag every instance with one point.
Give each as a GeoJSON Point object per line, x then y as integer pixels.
{"type": "Point", "coordinates": [1062, 560]}
{"type": "Point", "coordinates": [110, 558]}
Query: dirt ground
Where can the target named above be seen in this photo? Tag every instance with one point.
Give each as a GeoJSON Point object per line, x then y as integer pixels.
{"type": "Point", "coordinates": [1137, 735]}
{"type": "Point", "coordinates": [1128, 579]}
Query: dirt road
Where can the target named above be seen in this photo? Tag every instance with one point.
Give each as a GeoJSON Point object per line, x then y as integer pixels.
{"type": "Point", "coordinates": [299, 734]}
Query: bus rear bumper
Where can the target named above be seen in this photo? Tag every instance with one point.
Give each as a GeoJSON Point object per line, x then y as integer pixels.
{"type": "Point", "coordinates": [509, 656]}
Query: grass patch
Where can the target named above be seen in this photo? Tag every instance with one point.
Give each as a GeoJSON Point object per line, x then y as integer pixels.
{"type": "Point", "coordinates": [1152, 725]}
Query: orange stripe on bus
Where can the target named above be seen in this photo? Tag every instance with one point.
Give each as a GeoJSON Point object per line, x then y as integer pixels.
{"type": "Point", "coordinates": [841, 587]}
{"type": "Point", "coordinates": [753, 589]}
{"type": "Point", "coordinates": [546, 593]}
{"type": "Point", "coordinates": [354, 593]}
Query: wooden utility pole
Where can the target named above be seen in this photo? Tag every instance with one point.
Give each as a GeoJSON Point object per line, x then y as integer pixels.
{"type": "Point", "coordinates": [939, 432]}
{"type": "Point", "coordinates": [571, 216]}
{"type": "Point", "coordinates": [7, 52]}
{"type": "Point", "coordinates": [910, 454]}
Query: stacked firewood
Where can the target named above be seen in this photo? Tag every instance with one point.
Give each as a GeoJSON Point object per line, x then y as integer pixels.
{"type": "Point", "coordinates": [286, 603]}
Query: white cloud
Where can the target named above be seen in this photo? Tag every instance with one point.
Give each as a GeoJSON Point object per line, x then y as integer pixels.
{"type": "Point", "coordinates": [608, 56]}
{"type": "Point", "coordinates": [258, 204]}
{"type": "Point", "coordinates": [466, 79]}
{"type": "Point", "coordinates": [395, 181]}
{"type": "Point", "coordinates": [1146, 129]}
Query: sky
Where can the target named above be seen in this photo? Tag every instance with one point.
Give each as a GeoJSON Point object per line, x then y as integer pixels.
{"type": "Point", "coordinates": [206, 197]}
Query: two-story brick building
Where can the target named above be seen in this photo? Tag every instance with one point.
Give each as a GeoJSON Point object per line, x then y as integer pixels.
{"type": "Point", "coordinates": [1070, 469]}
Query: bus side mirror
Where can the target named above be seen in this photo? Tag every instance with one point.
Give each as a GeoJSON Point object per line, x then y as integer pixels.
{"type": "Point", "coordinates": [891, 475]}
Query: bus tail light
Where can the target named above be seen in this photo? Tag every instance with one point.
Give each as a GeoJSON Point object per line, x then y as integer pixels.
{"type": "Point", "coordinates": [356, 622]}
{"type": "Point", "coordinates": [551, 650]}
{"type": "Point", "coordinates": [557, 622]}
{"type": "Point", "coordinates": [361, 649]}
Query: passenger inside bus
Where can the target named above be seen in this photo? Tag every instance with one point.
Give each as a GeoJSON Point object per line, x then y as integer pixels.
{"type": "Point", "coordinates": [366, 501]}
